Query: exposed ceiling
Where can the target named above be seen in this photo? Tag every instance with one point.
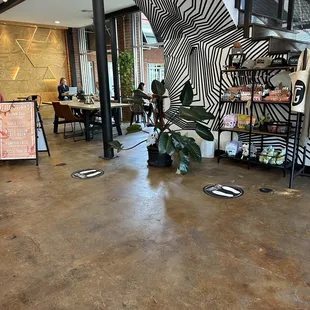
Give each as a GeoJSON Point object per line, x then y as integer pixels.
{"type": "Point", "coordinates": [68, 13]}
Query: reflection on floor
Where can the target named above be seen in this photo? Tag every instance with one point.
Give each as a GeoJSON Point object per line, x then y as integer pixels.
{"type": "Point", "coordinates": [140, 238]}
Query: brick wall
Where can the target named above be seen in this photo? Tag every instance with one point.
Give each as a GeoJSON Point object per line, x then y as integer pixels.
{"type": "Point", "coordinates": [124, 27]}
{"type": "Point", "coordinates": [155, 56]}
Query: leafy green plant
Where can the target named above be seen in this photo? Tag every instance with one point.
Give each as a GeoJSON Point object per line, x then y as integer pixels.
{"type": "Point", "coordinates": [170, 141]}
{"type": "Point", "coordinates": [264, 119]}
{"type": "Point", "coordinates": [126, 71]}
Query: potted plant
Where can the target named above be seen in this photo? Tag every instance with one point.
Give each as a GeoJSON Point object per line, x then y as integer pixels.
{"type": "Point", "coordinates": [165, 142]}
{"type": "Point", "coordinates": [263, 122]}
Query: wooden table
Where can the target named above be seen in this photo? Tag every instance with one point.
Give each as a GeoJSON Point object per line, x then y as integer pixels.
{"type": "Point", "coordinates": [88, 108]}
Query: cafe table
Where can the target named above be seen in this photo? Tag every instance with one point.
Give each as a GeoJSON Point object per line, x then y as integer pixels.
{"type": "Point", "coordinates": [87, 109]}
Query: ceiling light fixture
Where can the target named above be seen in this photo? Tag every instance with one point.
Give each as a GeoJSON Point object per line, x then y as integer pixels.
{"type": "Point", "coordinates": [5, 0]}
{"type": "Point", "coordinates": [57, 22]}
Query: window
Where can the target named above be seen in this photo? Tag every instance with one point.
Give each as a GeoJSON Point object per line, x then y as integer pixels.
{"type": "Point", "coordinates": [154, 72]}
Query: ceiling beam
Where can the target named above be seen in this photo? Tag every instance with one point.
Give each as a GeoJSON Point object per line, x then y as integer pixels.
{"type": "Point", "coordinates": [4, 6]}
{"type": "Point", "coordinates": [130, 10]}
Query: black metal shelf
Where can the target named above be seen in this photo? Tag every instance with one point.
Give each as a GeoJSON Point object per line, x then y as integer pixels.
{"type": "Point", "coordinates": [258, 69]}
{"type": "Point", "coordinates": [257, 102]}
{"type": "Point", "coordinates": [251, 79]}
{"type": "Point", "coordinates": [257, 132]}
{"type": "Point", "coordinates": [257, 162]}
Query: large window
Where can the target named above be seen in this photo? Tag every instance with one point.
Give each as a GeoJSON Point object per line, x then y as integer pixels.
{"type": "Point", "coordinates": [154, 72]}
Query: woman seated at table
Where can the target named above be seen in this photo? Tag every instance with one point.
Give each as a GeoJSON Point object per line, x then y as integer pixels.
{"type": "Point", "coordinates": [63, 90]}
{"type": "Point", "coordinates": [147, 106]}
{"type": "Point", "coordinates": [96, 96]}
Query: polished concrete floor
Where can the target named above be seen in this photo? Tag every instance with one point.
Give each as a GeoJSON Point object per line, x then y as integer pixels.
{"type": "Point", "coordinates": [143, 238]}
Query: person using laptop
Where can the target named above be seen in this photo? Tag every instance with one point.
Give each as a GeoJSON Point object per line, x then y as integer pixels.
{"type": "Point", "coordinates": [63, 90]}
{"type": "Point", "coordinates": [147, 105]}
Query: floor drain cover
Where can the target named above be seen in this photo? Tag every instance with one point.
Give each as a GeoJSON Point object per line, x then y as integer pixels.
{"type": "Point", "coordinates": [223, 191]}
{"type": "Point", "coordinates": [266, 190]}
{"type": "Point", "coordinates": [87, 174]}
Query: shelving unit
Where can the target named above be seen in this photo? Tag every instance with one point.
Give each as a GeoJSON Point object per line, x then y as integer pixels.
{"type": "Point", "coordinates": [239, 77]}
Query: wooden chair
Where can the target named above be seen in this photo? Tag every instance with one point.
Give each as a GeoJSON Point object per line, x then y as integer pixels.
{"type": "Point", "coordinates": [137, 109]}
{"type": "Point", "coordinates": [73, 119]}
{"type": "Point", "coordinates": [59, 113]}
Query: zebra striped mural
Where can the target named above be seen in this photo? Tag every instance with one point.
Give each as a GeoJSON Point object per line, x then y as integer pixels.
{"type": "Point", "coordinates": [198, 36]}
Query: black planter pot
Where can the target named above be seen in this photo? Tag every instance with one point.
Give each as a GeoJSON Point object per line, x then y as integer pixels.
{"type": "Point", "coordinates": [263, 127]}
{"type": "Point", "coordinates": [158, 160]}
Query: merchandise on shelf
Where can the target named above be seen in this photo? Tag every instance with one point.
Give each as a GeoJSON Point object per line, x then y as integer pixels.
{"type": "Point", "coordinates": [257, 97]}
{"type": "Point", "coordinates": [279, 95]}
{"type": "Point", "coordinates": [228, 95]}
{"type": "Point", "coordinates": [230, 120]}
{"type": "Point", "coordinates": [246, 152]}
{"type": "Point", "coordinates": [278, 127]}
{"type": "Point", "coordinates": [245, 95]}
{"type": "Point", "coordinates": [272, 157]}
{"type": "Point", "coordinates": [244, 120]}
{"type": "Point", "coordinates": [233, 148]}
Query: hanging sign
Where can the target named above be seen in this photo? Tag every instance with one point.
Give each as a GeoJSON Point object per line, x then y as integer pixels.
{"type": "Point", "coordinates": [300, 84]}
{"type": "Point", "coordinates": [18, 130]}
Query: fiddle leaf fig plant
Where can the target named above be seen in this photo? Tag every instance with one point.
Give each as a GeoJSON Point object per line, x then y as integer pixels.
{"type": "Point", "coordinates": [173, 142]}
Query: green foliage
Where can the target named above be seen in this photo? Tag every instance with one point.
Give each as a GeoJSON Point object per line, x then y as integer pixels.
{"type": "Point", "coordinates": [116, 145]}
{"type": "Point", "coordinates": [133, 128]}
{"type": "Point", "coordinates": [173, 142]}
{"type": "Point", "coordinates": [184, 162]}
{"type": "Point", "coordinates": [195, 114]}
{"type": "Point", "coordinates": [204, 132]}
{"type": "Point", "coordinates": [158, 88]}
{"type": "Point", "coordinates": [187, 94]}
{"type": "Point", "coordinates": [126, 71]}
{"type": "Point", "coordinates": [165, 144]}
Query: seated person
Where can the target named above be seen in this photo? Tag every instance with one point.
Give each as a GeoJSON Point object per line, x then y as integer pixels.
{"type": "Point", "coordinates": [96, 96]}
{"type": "Point", "coordinates": [63, 90]}
{"type": "Point", "coordinates": [148, 107]}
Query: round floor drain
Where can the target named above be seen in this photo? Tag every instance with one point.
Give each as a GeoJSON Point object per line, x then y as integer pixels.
{"type": "Point", "coordinates": [266, 190]}
{"type": "Point", "coordinates": [223, 191]}
{"type": "Point", "coordinates": [87, 174]}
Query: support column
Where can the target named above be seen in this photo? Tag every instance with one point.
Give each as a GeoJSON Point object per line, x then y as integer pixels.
{"type": "Point", "coordinates": [103, 77]}
{"type": "Point", "coordinates": [71, 57]}
{"type": "Point", "coordinates": [114, 51]}
{"type": "Point", "coordinates": [290, 14]}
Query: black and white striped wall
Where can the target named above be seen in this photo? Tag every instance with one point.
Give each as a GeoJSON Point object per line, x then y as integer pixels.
{"type": "Point", "coordinates": [198, 36]}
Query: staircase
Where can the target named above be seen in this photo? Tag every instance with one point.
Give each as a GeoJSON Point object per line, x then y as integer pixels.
{"type": "Point", "coordinates": [284, 23]}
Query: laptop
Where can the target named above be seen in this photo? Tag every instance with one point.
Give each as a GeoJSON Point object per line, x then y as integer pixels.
{"type": "Point", "coordinates": [72, 90]}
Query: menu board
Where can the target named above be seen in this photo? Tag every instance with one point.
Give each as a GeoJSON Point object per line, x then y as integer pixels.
{"type": "Point", "coordinates": [17, 130]}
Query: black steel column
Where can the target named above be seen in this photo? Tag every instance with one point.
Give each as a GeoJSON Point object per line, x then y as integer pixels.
{"type": "Point", "coordinates": [280, 9]}
{"type": "Point", "coordinates": [71, 56]}
{"type": "Point", "coordinates": [248, 17]}
{"type": "Point", "coordinates": [103, 77]}
{"type": "Point", "coordinates": [114, 48]}
{"type": "Point", "coordinates": [290, 14]}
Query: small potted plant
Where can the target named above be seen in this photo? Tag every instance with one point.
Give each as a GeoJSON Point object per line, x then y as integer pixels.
{"type": "Point", "coordinates": [263, 122]}
{"type": "Point", "coordinates": [164, 141]}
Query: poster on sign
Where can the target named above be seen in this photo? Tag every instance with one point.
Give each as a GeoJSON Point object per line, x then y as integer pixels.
{"type": "Point", "coordinates": [18, 131]}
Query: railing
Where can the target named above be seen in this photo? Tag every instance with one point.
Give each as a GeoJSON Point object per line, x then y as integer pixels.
{"type": "Point", "coordinates": [283, 14]}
